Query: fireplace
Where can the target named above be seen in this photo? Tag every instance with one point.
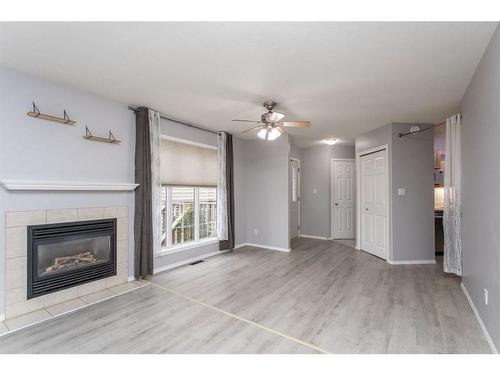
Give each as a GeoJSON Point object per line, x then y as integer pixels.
{"type": "Point", "coordinates": [68, 254]}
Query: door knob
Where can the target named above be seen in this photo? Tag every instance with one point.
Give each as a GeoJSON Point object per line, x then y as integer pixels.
{"type": "Point", "coordinates": [336, 204]}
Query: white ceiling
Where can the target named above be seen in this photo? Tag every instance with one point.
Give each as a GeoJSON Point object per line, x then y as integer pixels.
{"type": "Point", "coordinates": [346, 78]}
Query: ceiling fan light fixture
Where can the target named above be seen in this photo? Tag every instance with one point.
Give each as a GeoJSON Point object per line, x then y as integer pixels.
{"type": "Point", "coordinates": [330, 141]}
{"type": "Point", "coordinates": [269, 134]}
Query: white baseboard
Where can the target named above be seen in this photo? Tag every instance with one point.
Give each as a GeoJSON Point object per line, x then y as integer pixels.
{"type": "Point", "coordinates": [2, 317]}
{"type": "Point", "coordinates": [314, 237]}
{"type": "Point", "coordinates": [187, 261]}
{"type": "Point", "coordinates": [479, 320]}
{"type": "Point", "coordinates": [131, 278]}
{"type": "Point", "coordinates": [401, 262]}
{"type": "Point", "coordinates": [263, 247]}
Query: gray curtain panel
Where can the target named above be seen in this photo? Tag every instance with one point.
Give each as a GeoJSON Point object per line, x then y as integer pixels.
{"type": "Point", "coordinates": [229, 244]}
{"type": "Point", "coordinates": [143, 225]}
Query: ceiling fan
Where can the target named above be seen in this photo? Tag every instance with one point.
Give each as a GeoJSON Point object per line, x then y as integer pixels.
{"type": "Point", "coordinates": [271, 125]}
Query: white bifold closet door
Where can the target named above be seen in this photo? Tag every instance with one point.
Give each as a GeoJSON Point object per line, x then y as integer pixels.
{"type": "Point", "coordinates": [374, 204]}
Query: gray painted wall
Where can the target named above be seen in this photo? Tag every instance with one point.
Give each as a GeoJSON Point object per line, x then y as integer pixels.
{"type": "Point", "coordinates": [261, 177]}
{"type": "Point", "coordinates": [173, 129]}
{"type": "Point", "coordinates": [315, 174]}
{"type": "Point", "coordinates": [481, 183]}
{"type": "Point", "coordinates": [33, 149]}
{"type": "Point", "coordinates": [410, 167]}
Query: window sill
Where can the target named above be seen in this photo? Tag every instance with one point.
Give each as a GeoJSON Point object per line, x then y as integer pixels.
{"type": "Point", "coordinates": [187, 246]}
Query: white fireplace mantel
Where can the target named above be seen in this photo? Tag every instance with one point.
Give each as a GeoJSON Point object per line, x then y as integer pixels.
{"type": "Point", "coordinates": [67, 185]}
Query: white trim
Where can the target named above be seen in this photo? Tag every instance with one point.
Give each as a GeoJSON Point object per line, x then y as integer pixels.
{"type": "Point", "coordinates": [298, 193]}
{"type": "Point", "coordinates": [187, 261]}
{"type": "Point", "coordinates": [401, 262]}
{"type": "Point", "coordinates": [188, 142]}
{"type": "Point", "coordinates": [315, 237]}
{"type": "Point", "coordinates": [332, 188]}
{"type": "Point", "coordinates": [479, 320]}
{"type": "Point", "coordinates": [186, 246]}
{"type": "Point", "coordinates": [66, 185]}
{"type": "Point", "coordinates": [2, 317]}
{"type": "Point", "coordinates": [131, 278]}
{"type": "Point", "coordinates": [264, 247]}
{"type": "Point", "coordinates": [389, 197]}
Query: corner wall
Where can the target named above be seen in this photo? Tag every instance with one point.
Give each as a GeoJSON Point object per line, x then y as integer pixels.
{"type": "Point", "coordinates": [261, 192]}
{"type": "Point", "coordinates": [315, 194]}
{"type": "Point", "coordinates": [480, 185]}
{"type": "Point", "coordinates": [411, 168]}
{"type": "Point", "coordinates": [34, 149]}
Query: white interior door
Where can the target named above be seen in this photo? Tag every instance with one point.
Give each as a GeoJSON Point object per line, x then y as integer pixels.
{"type": "Point", "coordinates": [343, 198]}
{"type": "Point", "coordinates": [374, 204]}
{"type": "Point", "coordinates": [294, 198]}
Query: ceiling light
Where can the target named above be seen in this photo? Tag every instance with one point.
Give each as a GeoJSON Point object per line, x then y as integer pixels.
{"type": "Point", "coordinates": [268, 134]}
{"type": "Point", "coordinates": [330, 141]}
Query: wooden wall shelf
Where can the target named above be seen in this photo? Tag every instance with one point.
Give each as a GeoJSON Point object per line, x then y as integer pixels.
{"type": "Point", "coordinates": [61, 120]}
{"type": "Point", "coordinates": [110, 139]}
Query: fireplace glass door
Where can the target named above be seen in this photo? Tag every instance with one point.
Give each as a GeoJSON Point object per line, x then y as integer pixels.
{"type": "Point", "coordinates": [68, 254]}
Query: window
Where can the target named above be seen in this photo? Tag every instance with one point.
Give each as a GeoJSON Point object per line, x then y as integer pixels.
{"type": "Point", "coordinates": [189, 214]}
{"type": "Point", "coordinates": [188, 173]}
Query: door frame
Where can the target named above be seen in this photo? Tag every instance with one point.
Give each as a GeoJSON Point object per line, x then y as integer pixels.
{"type": "Point", "coordinates": [298, 195]}
{"type": "Point", "coordinates": [332, 186]}
{"type": "Point", "coordinates": [389, 197]}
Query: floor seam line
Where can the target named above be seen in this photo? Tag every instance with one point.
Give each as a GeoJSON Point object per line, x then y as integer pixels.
{"type": "Point", "coordinates": [277, 333]}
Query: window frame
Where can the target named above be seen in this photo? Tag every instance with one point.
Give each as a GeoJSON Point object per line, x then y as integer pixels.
{"type": "Point", "coordinates": [196, 242]}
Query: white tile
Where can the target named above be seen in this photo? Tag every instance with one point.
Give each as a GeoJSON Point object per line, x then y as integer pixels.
{"type": "Point", "coordinates": [27, 319]}
{"type": "Point", "coordinates": [15, 273]}
{"type": "Point", "coordinates": [24, 218]}
{"type": "Point", "coordinates": [122, 251]}
{"type": "Point", "coordinates": [3, 328]}
{"type": "Point", "coordinates": [121, 276]}
{"type": "Point", "coordinates": [97, 296]}
{"type": "Point", "coordinates": [59, 297]}
{"type": "Point", "coordinates": [91, 213]}
{"type": "Point", "coordinates": [122, 229]}
{"type": "Point", "coordinates": [16, 295]}
{"type": "Point", "coordinates": [24, 307]}
{"type": "Point", "coordinates": [66, 306]}
{"type": "Point", "coordinates": [92, 287]}
{"type": "Point", "coordinates": [62, 216]}
{"type": "Point", "coordinates": [122, 288]}
{"type": "Point", "coordinates": [16, 242]}
{"type": "Point", "coordinates": [118, 212]}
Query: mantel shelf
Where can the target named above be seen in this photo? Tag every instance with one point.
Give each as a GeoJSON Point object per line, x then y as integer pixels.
{"type": "Point", "coordinates": [66, 185]}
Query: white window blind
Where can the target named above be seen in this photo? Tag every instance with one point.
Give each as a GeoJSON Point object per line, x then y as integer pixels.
{"type": "Point", "coordinates": [183, 164]}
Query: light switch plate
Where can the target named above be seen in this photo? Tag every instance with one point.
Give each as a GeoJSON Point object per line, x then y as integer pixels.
{"type": "Point", "coordinates": [401, 191]}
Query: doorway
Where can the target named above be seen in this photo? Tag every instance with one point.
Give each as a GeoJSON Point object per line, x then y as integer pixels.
{"type": "Point", "coordinates": [374, 203]}
{"type": "Point", "coordinates": [343, 192]}
{"type": "Point", "coordinates": [294, 176]}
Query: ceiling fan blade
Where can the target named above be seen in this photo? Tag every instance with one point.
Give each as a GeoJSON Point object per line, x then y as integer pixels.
{"type": "Point", "coordinates": [276, 116]}
{"type": "Point", "coordinates": [250, 130]}
{"type": "Point", "coordinates": [297, 124]}
{"type": "Point", "coordinates": [246, 121]}
{"type": "Point", "coordinates": [281, 129]}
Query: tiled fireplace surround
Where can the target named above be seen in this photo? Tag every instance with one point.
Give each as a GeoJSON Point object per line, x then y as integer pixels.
{"type": "Point", "coordinates": [16, 222]}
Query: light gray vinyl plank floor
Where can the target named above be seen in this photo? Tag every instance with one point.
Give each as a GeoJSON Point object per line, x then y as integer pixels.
{"type": "Point", "coordinates": [324, 294]}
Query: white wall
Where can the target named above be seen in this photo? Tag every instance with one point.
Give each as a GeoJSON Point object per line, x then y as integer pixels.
{"type": "Point", "coordinates": [261, 192]}
{"type": "Point", "coordinates": [481, 183]}
{"type": "Point", "coordinates": [34, 149]}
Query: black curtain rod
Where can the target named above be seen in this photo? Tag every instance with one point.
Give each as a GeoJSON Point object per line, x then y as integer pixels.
{"type": "Point", "coordinates": [136, 108]}
{"type": "Point", "coordinates": [421, 130]}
